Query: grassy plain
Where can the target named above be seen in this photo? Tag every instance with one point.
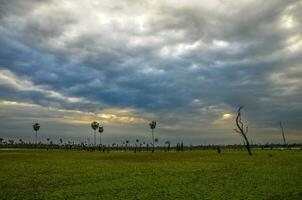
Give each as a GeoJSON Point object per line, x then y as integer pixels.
{"type": "Point", "coordinates": [61, 174]}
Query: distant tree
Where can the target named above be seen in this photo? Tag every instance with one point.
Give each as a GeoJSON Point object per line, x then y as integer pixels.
{"type": "Point", "coordinates": [218, 149]}
{"type": "Point", "coordinates": [242, 130]}
{"type": "Point", "coordinates": [168, 143]}
{"type": "Point", "coordinates": [152, 126]}
{"type": "Point", "coordinates": [94, 126]}
{"type": "Point", "coordinates": [282, 131]}
{"type": "Point", "coordinates": [127, 142]}
{"type": "Point", "coordinates": [1, 140]}
{"type": "Point", "coordinates": [82, 144]}
{"type": "Point", "coordinates": [182, 146]}
{"type": "Point", "coordinates": [61, 141]}
{"type": "Point", "coordinates": [11, 142]}
{"type": "Point", "coordinates": [69, 144]}
{"type": "Point", "coordinates": [101, 130]}
{"type": "Point", "coordinates": [48, 142]}
{"type": "Point", "coordinates": [136, 144]}
{"type": "Point", "coordinates": [36, 127]}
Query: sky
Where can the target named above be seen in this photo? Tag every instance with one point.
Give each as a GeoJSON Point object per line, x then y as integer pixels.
{"type": "Point", "coordinates": [188, 65]}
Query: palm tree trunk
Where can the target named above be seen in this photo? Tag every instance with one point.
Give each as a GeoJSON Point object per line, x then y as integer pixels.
{"type": "Point", "coordinates": [36, 137]}
{"type": "Point", "coordinates": [94, 139]}
{"type": "Point", "coordinates": [101, 146]}
{"type": "Point", "coordinates": [153, 141]}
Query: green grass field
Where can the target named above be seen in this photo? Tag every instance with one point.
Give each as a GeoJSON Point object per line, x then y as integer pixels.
{"type": "Point", "coordinates": [41, 174]}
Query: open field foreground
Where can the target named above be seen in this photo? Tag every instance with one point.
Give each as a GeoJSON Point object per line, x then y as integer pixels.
{"type": "Point", "coordinates": [41, 174]}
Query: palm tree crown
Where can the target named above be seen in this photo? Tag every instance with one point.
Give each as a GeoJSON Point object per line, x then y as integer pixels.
{"type": "Point", "coordinates": [36, 126]}
{"type": "Point", "coordinates": [152, 124]}
{"type": "Point", "coordinates": [94, 125]}
{"type": "Point", "coordinates": [101, 129]}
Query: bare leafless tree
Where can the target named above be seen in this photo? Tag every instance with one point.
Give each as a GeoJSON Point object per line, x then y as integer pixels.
{"type": "Point", "coordinates": [242, 130]}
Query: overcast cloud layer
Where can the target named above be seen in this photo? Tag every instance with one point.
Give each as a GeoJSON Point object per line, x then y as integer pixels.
{"type": "Point", "coordinates": [188, 65]}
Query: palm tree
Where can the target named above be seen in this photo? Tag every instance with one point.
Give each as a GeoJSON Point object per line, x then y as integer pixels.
{"type": "Point", "coordinates": [36, 127]}
{"type": "Point", "coordinates": [47, 145]}
{"type": "Point", "coordinates": [182, 146]}
{"type": "Point", "coordinates": [94, 126]}
{"type": "Point", "coordinates": [152, 126]}
{"type": "Point", "coordinates": [140, 147]}
{"type": "Point", "coordinates": [136, 144]}
{"type": "Point", "coordinates": [101, 130]}
{"type": "Point", "coordinates": [218, 149]}
{"type": "Point", "coordinates": [126, 145]}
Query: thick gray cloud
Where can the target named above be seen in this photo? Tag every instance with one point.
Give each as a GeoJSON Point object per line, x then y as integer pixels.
{"type": "Point", "coordinates": [184, 64]}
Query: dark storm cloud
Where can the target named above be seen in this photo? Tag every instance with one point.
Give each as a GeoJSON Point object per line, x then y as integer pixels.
{"type": "Point", "coordinates": [188, 64]}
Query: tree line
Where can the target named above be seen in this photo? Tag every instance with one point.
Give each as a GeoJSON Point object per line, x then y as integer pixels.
{"type": "Point", "coordinates": [138, 146]}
